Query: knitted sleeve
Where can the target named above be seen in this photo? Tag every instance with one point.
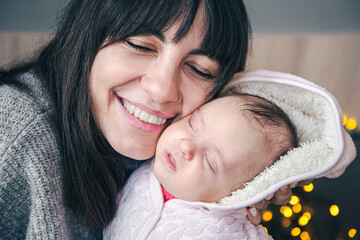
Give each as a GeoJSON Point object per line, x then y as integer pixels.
{"type": "Point", "coordinates": [31, 186]}
{"type": "Point", "coordinates": [31, 194]}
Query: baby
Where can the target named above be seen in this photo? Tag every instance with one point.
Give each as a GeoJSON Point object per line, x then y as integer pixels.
{"type": "Point", "coordinates": [203, 158]}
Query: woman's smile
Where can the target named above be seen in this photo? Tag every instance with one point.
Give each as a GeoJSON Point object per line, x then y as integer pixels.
{"type": "Point", "coordinates": [144, 120]}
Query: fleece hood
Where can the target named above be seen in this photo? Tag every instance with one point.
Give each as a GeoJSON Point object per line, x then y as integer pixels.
{"type": "Point", "coordinates": [325, 148]}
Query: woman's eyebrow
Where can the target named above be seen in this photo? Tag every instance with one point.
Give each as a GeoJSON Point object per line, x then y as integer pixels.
{"type": "Point", "coordinates": [159, 35]}
{"type": "Point", "coordinates": [200, 52]}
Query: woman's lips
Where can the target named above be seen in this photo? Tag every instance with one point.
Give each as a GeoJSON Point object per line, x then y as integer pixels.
{"type": "Point", "coordinates": [136, 122]}
{"type": "Point", "coordinates": [170, 161]}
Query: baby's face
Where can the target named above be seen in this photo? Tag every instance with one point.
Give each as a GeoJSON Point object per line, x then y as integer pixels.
{"type": "Point", "coordinates": [207, 155]}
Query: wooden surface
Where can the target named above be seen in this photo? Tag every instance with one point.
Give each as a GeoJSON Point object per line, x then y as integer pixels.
{"type": "Point", "coordinates": [329, 60]}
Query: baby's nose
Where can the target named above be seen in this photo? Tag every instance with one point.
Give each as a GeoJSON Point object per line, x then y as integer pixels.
{"type": "Point", "coordinates": [187, 149]}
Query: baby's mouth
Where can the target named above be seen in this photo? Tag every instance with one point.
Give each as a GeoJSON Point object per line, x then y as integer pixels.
{"type": "Point", "coordinates": [143, 115]}
{"type": "Point", "coordinates": [170, 161]}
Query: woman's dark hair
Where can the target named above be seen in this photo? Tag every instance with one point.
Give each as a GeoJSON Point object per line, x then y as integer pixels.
{"type": "Point", "coordinates": [94, 171]}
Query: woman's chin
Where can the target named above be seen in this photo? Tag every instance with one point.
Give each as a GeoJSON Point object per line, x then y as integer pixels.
{"type": "Point", "coordinates": [137, 153]}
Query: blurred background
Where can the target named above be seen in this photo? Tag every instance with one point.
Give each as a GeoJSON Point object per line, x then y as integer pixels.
{"type": "Point", "coordinates": [318, 40]}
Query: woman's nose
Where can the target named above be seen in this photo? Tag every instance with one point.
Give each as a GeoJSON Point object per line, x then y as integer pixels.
{"type": "Point", "coordinates": [161, 81]}
{"type": "Point", "coordinates": [187, 149]}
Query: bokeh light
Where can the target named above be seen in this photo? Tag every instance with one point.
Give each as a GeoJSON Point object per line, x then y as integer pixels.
{"type": "Point", "coordinates": [286, 222]}
{"type": "Point", "coordinates": [282, 209]}
{"type": "Point", "coordinates": [352, 233]}
{"type": "Point", "coordinates": [309, 188]}
{"type": "Point", "coordinates": [351, 124]}
{"type": "Point", "coordinates": [287, 212]}
{"type": "Point", "coordinates": [294, 200]}
{"type": "Point", "coordinates": [344, 119]}
{"type": "Point", "coordinates": [304, 236]}
{"type": "Point", "coordinates": [295, 232]}
{"type": "Point", "coordinates": [334, 210]}
{"type": "Point", "coordinates": [267, 216]}
{"type": "Point", "coordinates": [303, 221]}
{"type": "Point", "coordinates": [297, 208]}
{"type": "Point", "coordinates": [307, 215]}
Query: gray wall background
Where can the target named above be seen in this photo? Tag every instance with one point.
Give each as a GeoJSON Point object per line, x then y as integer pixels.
{"type": "Point", "coordinates": [275, 16]}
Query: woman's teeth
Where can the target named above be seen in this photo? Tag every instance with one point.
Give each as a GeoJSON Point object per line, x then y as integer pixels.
{"type": "Point", "coordinates": [142, 115]}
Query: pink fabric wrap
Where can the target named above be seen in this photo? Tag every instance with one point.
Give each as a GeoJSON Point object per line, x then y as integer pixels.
{"type": "Point", "coordinates": [142, 214]}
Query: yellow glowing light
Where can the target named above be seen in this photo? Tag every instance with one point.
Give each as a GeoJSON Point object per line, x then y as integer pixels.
{"type": "Point", "coordinates": [294, 200]}
{"type": "Point", "coordinates": [295, 232]}
{"type": "Point", "coordinates": [309, 188]}
{"type": "Point", "coordinates": [297, 208]}
{"type": "Point", "coordinates": [307, 215]}
{"type": "Point", "coordinates": [267, 216]}
{"type": "Point", "coordinates": [352, 233]}
{"type": "Point", "coordinates": [303, 221]}
{"type": "Point", "coordinates": [282, 209]}
{"type": "Point", "coordinates": [304, 235]}
{"type": "Point", "coordinates": [334, 210]}
{"type": "Point", "coordinates": [344, 119]}
{"type": "Point", "coordinates": [351, 124]}
{"type": "Point", "coordinates": [286, 222]}
{"type": "Point", "coordinates": [287, 212]}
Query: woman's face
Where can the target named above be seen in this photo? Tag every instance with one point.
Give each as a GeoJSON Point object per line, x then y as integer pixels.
{"type": "Point", "coordinates": [142, 75]}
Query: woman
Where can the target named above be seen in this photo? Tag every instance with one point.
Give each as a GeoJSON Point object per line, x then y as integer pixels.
{"type": "Point", "coordinates": [69, 140]}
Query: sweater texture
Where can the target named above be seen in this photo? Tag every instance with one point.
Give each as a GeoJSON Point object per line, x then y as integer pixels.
{"type": "Point", "coordinates": [32, 170]}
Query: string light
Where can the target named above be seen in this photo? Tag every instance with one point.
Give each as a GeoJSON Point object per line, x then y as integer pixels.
{"type": "Point", "coordinates": [304, 236]}
{"type": "Point", "coordinates": [287, 212]}
{"type": "Point", "coordinates": [267, 216]}
{"type": "Point", "coordinates": [309, 188]}
{"type": "Point", "coordinates": [295, 232]}
{"type": "Point", "coordinates": [307, 215]}
{"type": "Point", "coordinates": [303, 221]}
{"type": "Point", "coordinates": [282, 209]}
{"type": "Point", "coordinates": [351, 124]}
{"type": "Point", "coordinates": [334, 210]}
{"type": "Point", "coordinates": [294, 200]}
{"type": "Point", "coordinates": [352, 233]}
{"type": "Point", "coordinates": [297, 208]}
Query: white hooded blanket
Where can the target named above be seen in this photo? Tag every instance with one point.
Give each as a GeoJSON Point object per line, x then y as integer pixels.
{"type": "Point", "coordinates": [325, 150]}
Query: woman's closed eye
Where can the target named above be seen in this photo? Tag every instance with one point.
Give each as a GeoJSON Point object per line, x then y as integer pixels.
{"type": "Point", "coordinates": [201, 73]}
{"type": "Point", "coordinates": [140, 47]}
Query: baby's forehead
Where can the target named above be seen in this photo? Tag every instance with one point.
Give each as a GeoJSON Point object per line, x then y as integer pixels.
{"type": "Point", "coordinates": [231, 101]}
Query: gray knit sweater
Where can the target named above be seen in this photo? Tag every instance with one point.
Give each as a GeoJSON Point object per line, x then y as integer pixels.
{"type": "Point", "coordinates": [31, 191]}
